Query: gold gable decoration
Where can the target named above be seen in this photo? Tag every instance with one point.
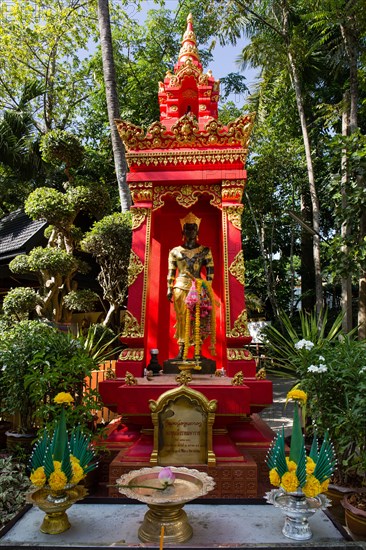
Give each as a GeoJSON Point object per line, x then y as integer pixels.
{"type": "Point", "coordinates": [237, 268]}
{"type": "Point", "coordinates": [185, 133]}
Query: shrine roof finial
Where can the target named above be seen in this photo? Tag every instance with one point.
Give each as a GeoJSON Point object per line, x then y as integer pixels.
{"type": "Point", "coordinates": [188, 49]}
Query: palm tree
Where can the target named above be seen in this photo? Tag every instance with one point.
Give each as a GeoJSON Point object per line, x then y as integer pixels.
{"type": "Point", "coordinates": [275, 26]}
{"type": "Point", "coordinates": [113, 109]}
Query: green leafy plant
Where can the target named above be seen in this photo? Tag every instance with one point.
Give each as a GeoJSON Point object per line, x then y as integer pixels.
{"type": "Point", "coordinates": [14, 484]}
{"type": "Point", "coordinates": [282, 346]}
{"type": "Point", "coordinates": [37, 361]}
{"type": "Point", "coordinates": [334, 379]}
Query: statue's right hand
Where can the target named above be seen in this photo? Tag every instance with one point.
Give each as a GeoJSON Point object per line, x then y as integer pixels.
{"type": "Point", "coordinates": [170, 296]}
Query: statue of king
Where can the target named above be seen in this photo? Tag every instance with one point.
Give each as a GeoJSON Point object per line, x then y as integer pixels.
{"type": "Point", "coordinates": [188, 291]}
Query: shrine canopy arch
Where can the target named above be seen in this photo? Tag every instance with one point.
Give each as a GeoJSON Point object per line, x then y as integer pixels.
{"type": "Point", "coordinates": [189, 97]}
{"type": "Point", "coordinates": [166, 233]}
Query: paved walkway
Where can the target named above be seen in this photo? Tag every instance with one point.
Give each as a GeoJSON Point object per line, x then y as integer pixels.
{"type": "Point", "coordinates": [279, 414]}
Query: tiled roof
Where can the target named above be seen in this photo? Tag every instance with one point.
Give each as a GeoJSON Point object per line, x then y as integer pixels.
{"type": "Point", "coordinates": [16, 229]}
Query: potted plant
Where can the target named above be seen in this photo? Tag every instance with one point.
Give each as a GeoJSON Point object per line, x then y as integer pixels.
{"type": "Point", "coordinates": [36, 362]}
{"type": "Point", "coordinates": [334, 378]}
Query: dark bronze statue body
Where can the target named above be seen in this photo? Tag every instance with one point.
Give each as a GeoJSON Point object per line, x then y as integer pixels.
{"type": "Point", "coordinates": [188, 259]}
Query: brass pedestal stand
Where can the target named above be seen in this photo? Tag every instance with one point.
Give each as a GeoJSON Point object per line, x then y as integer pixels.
{"type": "Point", "coordinates": [165, 506]}
{"type": "Point", "coordinates": [172, 517]}
{"type": "Point", "coordinates": [56, 520]}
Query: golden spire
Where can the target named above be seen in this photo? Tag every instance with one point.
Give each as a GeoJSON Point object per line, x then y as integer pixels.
{"type": "Point", "coordinates": [189, 48]}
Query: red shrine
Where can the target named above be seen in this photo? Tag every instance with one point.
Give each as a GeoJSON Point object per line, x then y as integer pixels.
{"type": "Point", "coordinates": [188, 162]}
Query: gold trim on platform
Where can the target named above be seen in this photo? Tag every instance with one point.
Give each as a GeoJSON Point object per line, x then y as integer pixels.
{"type": "Point", "coordinates": [261, 374]}
{"type": "Point", "coordinates": [187, 195]}
{"type": "Point", "coordinates": [135, 268]}
{"type": "Point", "coordinates": [238, 379]}
{"type": "Point", "coordinates": [132, 354]}
{"type": "Point", "coordinates": [130, 380]}
{"type": "Point", "coordinates": [163, 158]}
{"type": "Point", "coordinates": [239, 354]}
{"type": "Point", "coordinates": [237, 269]}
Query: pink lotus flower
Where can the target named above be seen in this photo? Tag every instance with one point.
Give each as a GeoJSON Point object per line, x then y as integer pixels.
{"type": "Point", "coordinates": [166, 477]}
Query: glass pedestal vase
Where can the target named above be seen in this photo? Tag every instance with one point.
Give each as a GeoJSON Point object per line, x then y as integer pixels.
{"type": "Point", "coordinates": [297, 509]}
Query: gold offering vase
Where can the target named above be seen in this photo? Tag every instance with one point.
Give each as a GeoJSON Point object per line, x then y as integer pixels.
{"type": "Point", "coordinates": [55, 504]}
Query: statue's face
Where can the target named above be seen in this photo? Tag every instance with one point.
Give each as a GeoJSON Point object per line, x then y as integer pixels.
{"type": "Point", "coordinates": [190, 230]}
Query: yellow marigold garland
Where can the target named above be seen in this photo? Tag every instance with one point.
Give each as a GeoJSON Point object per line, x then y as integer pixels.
{"type": "Point", "coordinates": [187, 334]}
{"type": "Point", "coordinates": [212, 347]}
{"type": "Point", "coordinates": [197, 322]}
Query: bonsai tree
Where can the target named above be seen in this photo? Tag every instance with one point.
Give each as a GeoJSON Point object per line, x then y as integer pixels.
{"type": "Point", "coordinates": [20, 302]}
{"type": "Point", "coordinates": [109, 242]}
{"type": "Point", "coordinates": [36, 362]}
{"type": "Point", "coordinates": [56, 265]}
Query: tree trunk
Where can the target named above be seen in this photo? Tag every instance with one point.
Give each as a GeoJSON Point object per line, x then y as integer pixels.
{"type": "Point", "coordinates": [270, 290]}
{"type": "Point", "coordinates": [307, 257]}
{"type": "Point", "coordinates": [351, 47]}
{"type": "Point", "coordinates": [112, 102]}
{"type": "Point", "coordinates": [346, 281]}
{"type": "Point", "coordinates": [312, 187]}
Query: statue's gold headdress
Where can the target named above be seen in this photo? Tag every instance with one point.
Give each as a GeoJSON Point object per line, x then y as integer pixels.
{"type": "Point", "coordinates": [190, 218]}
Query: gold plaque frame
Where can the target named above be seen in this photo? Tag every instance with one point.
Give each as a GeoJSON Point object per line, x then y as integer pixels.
{"type": "Point", "coordinates": [195, 399]}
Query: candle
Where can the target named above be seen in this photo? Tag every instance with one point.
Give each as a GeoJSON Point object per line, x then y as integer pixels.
{"type": "Point", "coordinates": [162, 537]}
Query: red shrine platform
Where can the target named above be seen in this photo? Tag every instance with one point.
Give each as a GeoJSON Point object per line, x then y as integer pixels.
{"type": "Point", "coordinates": [189, 162]}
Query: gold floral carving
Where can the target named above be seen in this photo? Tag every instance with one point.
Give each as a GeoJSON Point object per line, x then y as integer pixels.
{"type": "Point", "coordinates": [239, 354]}
{"type": "Point", "coordinates": [138, 216]}
{"type": "Point", "coordinates": [240, 327]}
{"type": "Point", "coordinates": [132, 354]}
{"type": "Point", "coordinates": [135, 268]}
{"type": "Point", "coordinates": [232, 190]}
{"type": "Point", "coordinates": [185, 132]}
{"type": "Point", "coordinates": [237, 267]}
{"type": "Point", "coordinates": [187, 195]}
{"type": "Point", "coordinates": [184, 378]}
{"type": "Point", "coordinates": [212, 156]}
{"type": "Point", "coordinates": [234, 215]}
{"type": "Point", "coordinates": [202, 107]}
{"type": "Point", "coordinates": [261, 374]}
{"type": "Point", "coordinates": [131, 327]}
{"type": "Point", "coordinates": [130, 380]}
{"type": "Point", "coordinates": [141, 192]}
{"type": "Point", "coordinates": [238, 379]}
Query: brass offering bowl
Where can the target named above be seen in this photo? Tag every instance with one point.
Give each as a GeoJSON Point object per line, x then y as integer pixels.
{"type": "Point", "coordinates": [165, 507]}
